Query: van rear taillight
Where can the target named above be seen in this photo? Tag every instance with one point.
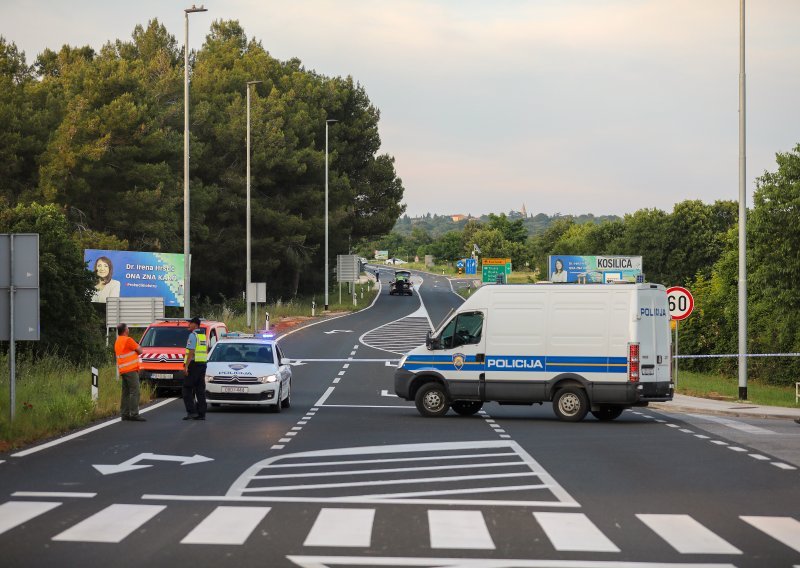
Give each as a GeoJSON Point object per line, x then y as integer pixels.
{"type": "Point", "coordinates": [633, 362]}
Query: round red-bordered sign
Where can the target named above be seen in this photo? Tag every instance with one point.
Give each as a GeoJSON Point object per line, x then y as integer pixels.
{"type": "Point", "coordinates": [680, 302]}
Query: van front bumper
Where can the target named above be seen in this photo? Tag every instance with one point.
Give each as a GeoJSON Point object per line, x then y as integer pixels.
{"type": "Point", "coordinates": [402, 383]}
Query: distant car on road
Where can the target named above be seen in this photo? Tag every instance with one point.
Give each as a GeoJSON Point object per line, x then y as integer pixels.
{"type": "Point", "coordinates": [395, 261]}
{"type": "Point", "coordinates": [401, 285]}
{"type": "Point", "coordinates": [249, 370]}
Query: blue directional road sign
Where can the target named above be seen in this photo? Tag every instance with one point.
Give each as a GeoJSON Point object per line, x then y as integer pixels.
{"type": "Point", "coordinates": [460, 264]}
{"type": "Point", "coordinates": [472, 266]}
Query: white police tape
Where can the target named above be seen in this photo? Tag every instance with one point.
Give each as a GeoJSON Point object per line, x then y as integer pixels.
{"type": "Point", "coordinates": [736, 355]}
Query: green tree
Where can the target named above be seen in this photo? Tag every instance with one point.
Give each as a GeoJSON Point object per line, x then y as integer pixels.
{"type": "Point", "coordinates": [69, 324]}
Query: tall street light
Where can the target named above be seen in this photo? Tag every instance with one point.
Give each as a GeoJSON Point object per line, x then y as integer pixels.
{"type": "Point", "coordinates": [186, 266]}
{"type": "Point", "coordinates": [249, 279]}
{"type": "Point", "coordinates": [742, 215]}
{"type": "Point", "coordinates": [327, 122]}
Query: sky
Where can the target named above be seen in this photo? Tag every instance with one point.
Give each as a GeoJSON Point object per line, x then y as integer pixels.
{"type": "Point", "coordinates": [565, 106]}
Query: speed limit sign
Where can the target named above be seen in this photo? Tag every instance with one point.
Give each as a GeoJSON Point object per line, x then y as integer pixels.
{"type": "Point", "coordinates": [680, 302]}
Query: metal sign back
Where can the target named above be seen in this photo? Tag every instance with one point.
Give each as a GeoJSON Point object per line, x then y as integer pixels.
{"type": "Point", "coordinates": [136, 312]}
{"type": "Point", "coordinates": [26, 315]}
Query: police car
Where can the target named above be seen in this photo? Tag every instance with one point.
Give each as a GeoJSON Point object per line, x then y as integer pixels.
{"type": "Point", "coordinates": [248, 370]}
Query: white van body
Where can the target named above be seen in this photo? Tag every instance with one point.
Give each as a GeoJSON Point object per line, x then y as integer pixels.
{"type": "Point", "coordinates": [585, 347]}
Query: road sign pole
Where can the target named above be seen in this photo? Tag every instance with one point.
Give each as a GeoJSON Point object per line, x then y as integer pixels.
{"type": "Point", "coordinates": [676, 355]}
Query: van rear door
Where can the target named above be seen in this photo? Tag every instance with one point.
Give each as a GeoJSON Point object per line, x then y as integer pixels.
{"type": "Point", "coordinates": [655, 340]}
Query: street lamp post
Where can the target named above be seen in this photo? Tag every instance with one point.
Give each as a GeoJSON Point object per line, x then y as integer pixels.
{"type": "Point", "coordinates": [186, 265]}
{"type": "Point", "coordinates": [742, 214]}
{"type": "Point", "coordinates": [249, 278]}
{"type": "Point", "coordinates": [327, 122]}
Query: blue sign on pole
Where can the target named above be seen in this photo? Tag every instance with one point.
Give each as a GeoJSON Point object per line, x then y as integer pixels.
{"type": "Point", "coordinates": [472, 266]}
{"type": "Point", "coordinates": [460, 264]}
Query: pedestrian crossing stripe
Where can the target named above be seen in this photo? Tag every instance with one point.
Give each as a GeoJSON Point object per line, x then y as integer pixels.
{"type": "Point", "coordinates": [398, 336]}
{"type": "Point", "coordinates": [448, 529]}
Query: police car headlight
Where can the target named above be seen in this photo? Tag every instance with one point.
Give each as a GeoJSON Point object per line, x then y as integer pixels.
{"type": "Point", "coordinates": [209, 378]}
{"type": "Point", "coordinates": [267, 379]}
{"type": "Point", "coordinates": [402, 361]}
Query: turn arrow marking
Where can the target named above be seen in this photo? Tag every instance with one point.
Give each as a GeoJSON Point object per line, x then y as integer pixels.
{"type": "Point", "coordinates": [131, 464]}
{"type": "Point", "coordinates": [338, 331]}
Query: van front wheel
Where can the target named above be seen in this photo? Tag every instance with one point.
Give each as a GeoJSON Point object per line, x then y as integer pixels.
{"type": "Point", "coordinates": [467, 407]}
{"type": "Point", "coordinates": [431, 400]}
{"type": "Point", "coordinates": [571, 404]}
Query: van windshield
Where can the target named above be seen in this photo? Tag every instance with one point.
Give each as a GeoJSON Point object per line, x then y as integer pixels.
{"type": "Point", "coordinates": [165, 337]}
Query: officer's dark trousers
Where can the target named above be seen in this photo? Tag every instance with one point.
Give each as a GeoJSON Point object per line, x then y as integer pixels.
{"type": "Point", "coordinates": [194, 389]}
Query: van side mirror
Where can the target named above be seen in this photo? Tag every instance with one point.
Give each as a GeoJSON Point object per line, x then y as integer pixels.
{"type": "Point", "coordinates": [286, 361]}
{"type": "Point", "coordinates": [428, 340]}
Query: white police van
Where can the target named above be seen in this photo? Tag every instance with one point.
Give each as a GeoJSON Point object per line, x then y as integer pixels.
{"type": "Point", "coordinates": [585, 347]}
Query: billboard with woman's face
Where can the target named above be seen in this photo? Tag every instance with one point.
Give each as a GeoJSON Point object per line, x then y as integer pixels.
{"type": "Point", "coordinates": [128, 274]}
{"type": "Point", "coordinates": [589, 269]}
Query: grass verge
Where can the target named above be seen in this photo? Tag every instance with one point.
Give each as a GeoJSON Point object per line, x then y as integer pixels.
{"type": "Point", "coordinates": [706, 385]}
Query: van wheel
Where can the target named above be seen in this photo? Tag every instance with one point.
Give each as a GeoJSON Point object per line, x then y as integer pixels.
{"type": "Point", "coordinates": [276, 408]}
{"type": "Point", "coordinates": [431, 400]}
{"type": "Point", "coordinates": [467, 407]}
{"type": "Point", "coordinates": [571, 404]}
{"type": "Point", "coordinates": [606, 413]}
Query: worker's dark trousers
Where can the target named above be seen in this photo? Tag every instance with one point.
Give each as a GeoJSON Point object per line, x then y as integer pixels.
{"type": "Point", "coordinates": [194, 389]}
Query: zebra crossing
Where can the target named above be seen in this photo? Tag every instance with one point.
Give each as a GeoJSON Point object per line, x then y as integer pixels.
{"type": "Point", "coordinates": [353, 528]}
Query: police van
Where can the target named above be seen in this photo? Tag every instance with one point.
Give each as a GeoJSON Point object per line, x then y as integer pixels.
{"type": "Point", "coordinates": [598, 348]}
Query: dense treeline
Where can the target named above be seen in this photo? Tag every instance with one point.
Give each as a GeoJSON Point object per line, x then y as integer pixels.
{"type": "Point", "coordinates": [100, 135]}
{"type": "Point", "coordinates": [696, 245]}
{"type": "Point", "coordinates": [91, 156]}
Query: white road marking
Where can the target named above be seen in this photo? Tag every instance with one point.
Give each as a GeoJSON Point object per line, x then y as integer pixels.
{"type": "Point", "coordinates": [297, 428]}
{"type": "Point", "coordinates": [342, 527]}
{"type": "Point", "coordinates": [290, 434]}
{"type": "Point", "coordinates": [112, 524]}
{"type": "Point", "coordinates": [422, 480]}
{"type": "Point", "coordinates": [701, 436]}
{"type": "Point", "coordinates": [686, 535]}
{"type": "Point", "coordinates": [81, 433]}
{"type": "Point", "coordinates": [686, 430]}
{"type": "Point", "coordinates": [783, 465]}
{"type": "Point", "coordinates": [459, 529]}
{"type": "Point", "coordinates": [737, 449]}
{"type": "Point", "coordinates": [393, 460]}
{"type": "Point", "coordinates": [394, 406]}
{"type": "Point", "coordinates": [783, 529]}
{"type": "Point", "coordinates": [345, 366]}
{"type": "Point", "coordinates": [277, 447]}
{"type": "Point", "coordinates": [386, 470]}
{"type": "Point", "coordinates": [735, 424]}
{"type": "Point", "coordinates": [574, 532]}
{"type": "Point", "coordinates": [227, 525]}
{"type": "Point", "coordinates": [673, 425]}
{"type": "Point", "coordinates": [374, 561]}
{"type": "Point", "coordinates": [53, 494]}
{"type": "Point", "coordinates": [719, 442]}
{"type": "Point", "coordinates": [336, 380]}
{"type": "Point", "coordinates": [505, 436]}
{"type": "Point", "coordinates": [342, 373]}
{"type": "Point", "coordinates": [324, 397]}
{"type": "Point", "coordinates": [284, 440]}
{"type": "Point", "coordinates": [758, 457]}
{"type": "Point", "coordinates": [389, 394]}
{"type": "Point", "coordinates": [15, 513]}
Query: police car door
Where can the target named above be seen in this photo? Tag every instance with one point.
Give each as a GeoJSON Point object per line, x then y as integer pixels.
{"type": "Point", "coordinates": [460, 354]}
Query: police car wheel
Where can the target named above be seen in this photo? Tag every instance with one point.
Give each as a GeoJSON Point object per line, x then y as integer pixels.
{"type": "Point", "coordinates": [571, 404]}
{"type": "Point", "coordinates": [287, 402]}
{"type": "Point", "coordinates": [467, 407]}
{"type": "Point", "coordinates": [431, 400]}
{"type": "Point", "coordinates": [606, 413]}
{"type": "Point", "coordinates": [276, 408]}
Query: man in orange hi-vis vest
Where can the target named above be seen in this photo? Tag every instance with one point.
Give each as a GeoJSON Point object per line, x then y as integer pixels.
{"type": "Point", "coordinates": [127, 352]}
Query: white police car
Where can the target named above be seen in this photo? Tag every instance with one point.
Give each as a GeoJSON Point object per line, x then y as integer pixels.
{"type": "Point", "coordinates": [248, 369]}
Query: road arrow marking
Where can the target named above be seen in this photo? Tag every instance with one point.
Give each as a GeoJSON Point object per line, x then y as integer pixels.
{"type": "Point", "coordinates": [131, 464]}
{"type": "Point", "coordinates": [338, 331]}
{"type": "Point", "coordinates": [387, 393]}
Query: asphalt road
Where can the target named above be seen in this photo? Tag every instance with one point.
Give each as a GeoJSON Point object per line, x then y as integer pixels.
{"type": "Point", "coordinates": [352, 476]}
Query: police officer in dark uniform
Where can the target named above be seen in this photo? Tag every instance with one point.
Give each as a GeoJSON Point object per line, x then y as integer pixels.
{"type": "Point", "coordinates": [194, 380]}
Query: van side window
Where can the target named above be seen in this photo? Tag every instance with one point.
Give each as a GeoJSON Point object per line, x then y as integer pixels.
{"type": "Point", "coordinates": [466, 329]}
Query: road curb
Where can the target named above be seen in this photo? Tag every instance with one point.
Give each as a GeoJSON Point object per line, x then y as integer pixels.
{"type": "Point", "coordinates": [749, 413]}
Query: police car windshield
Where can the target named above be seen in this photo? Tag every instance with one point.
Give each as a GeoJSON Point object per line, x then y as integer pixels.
{"type": "Point", "coordinates": [241, 353]}
{"type": "Point", "coordinates": [165, 337]}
